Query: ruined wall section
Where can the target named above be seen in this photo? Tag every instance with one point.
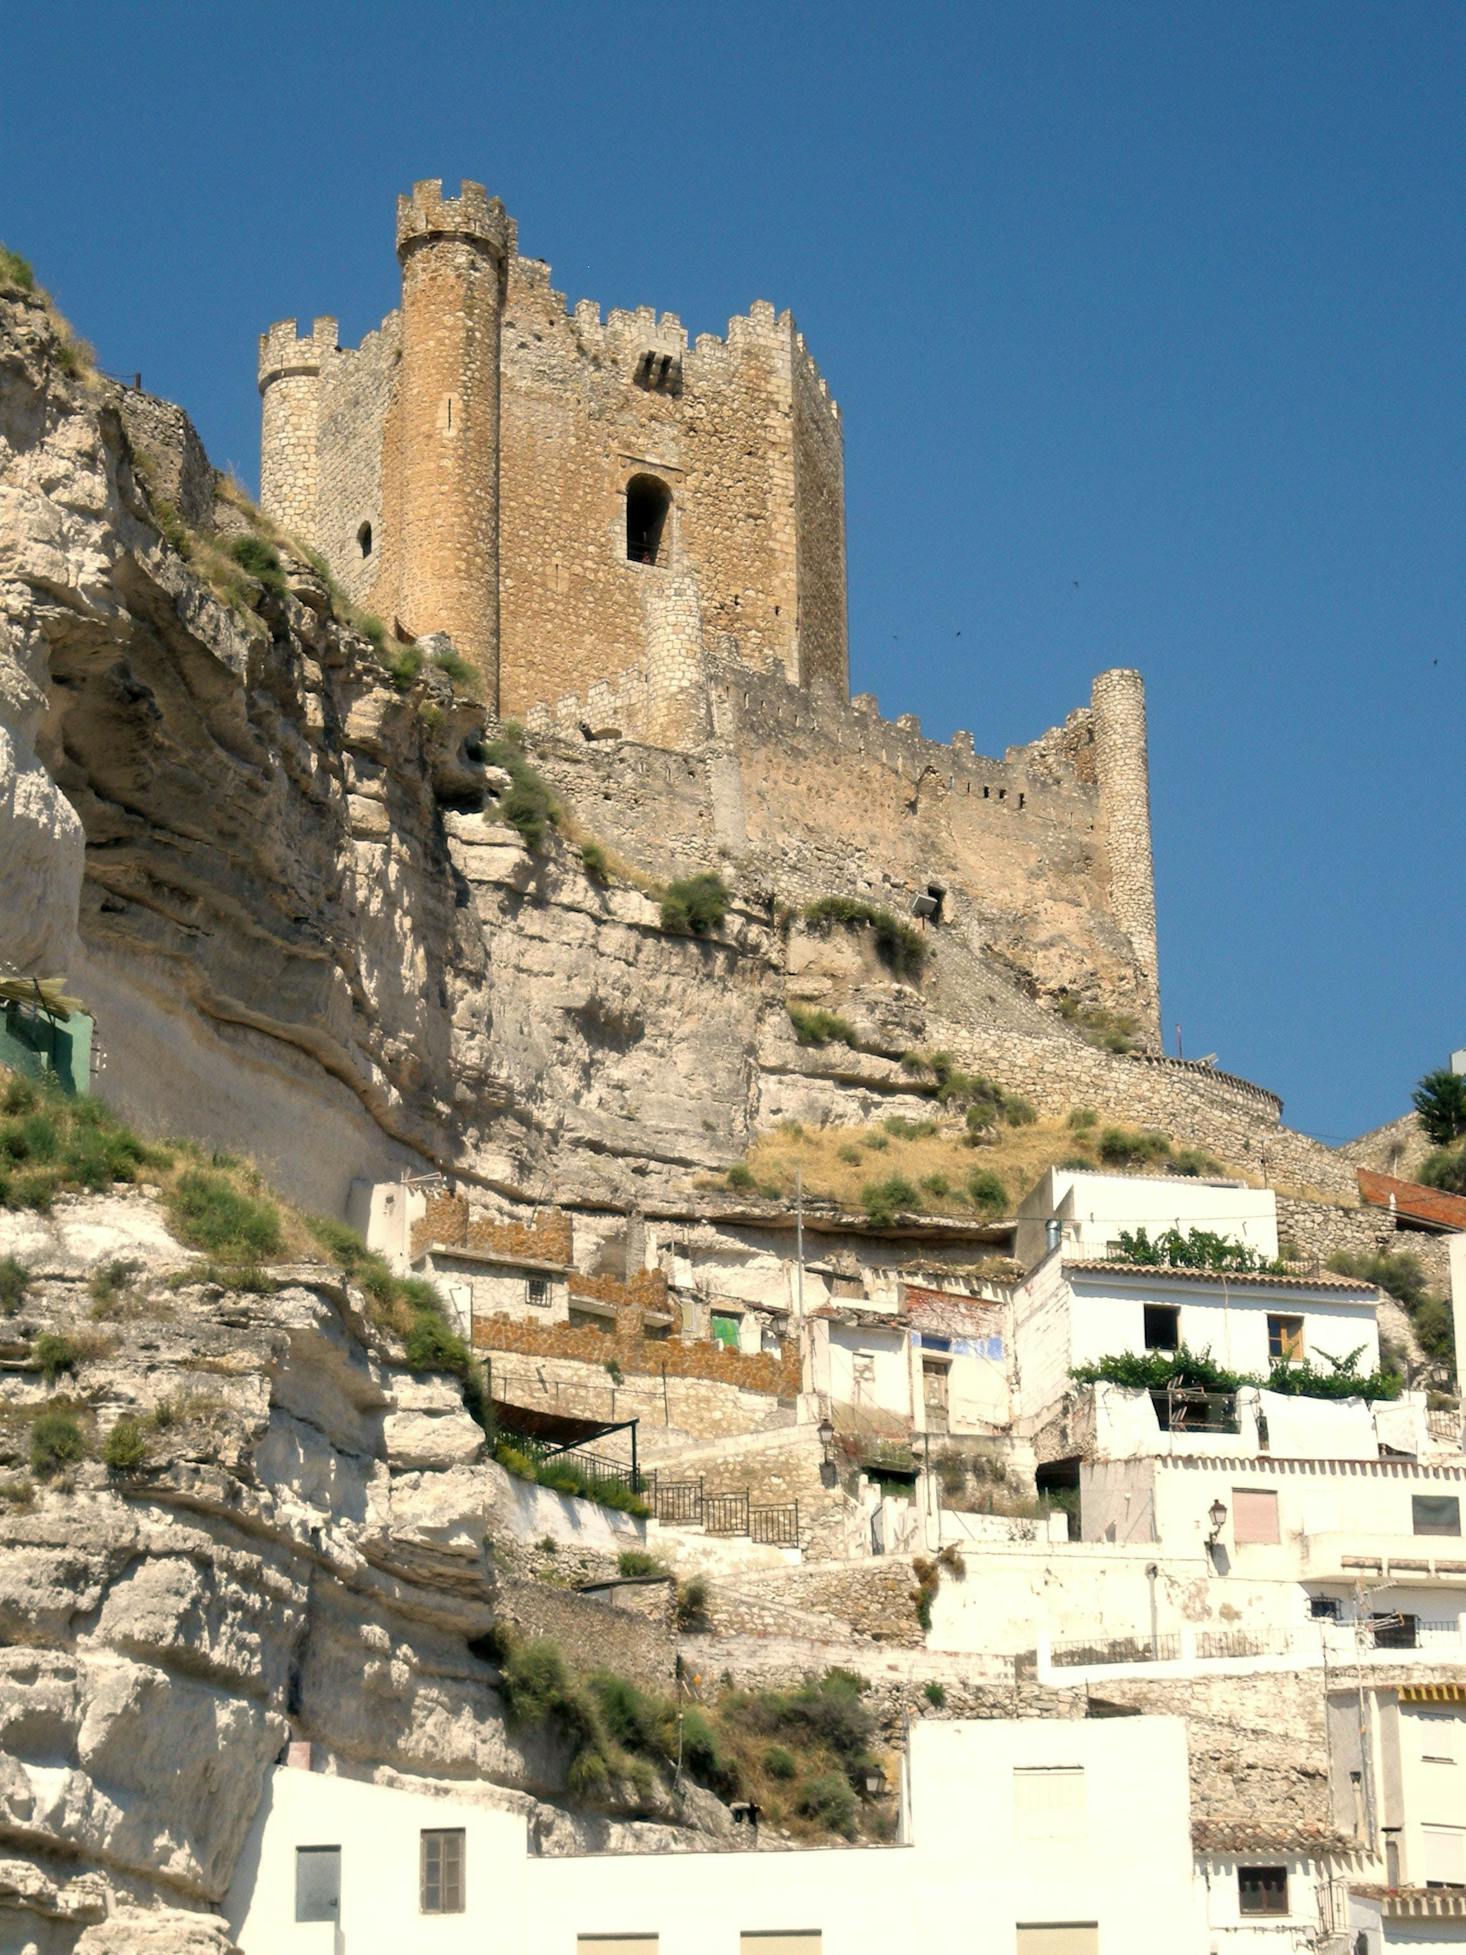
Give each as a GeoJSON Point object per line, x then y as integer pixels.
{"type": "Point", "coordinates": [819, 522]}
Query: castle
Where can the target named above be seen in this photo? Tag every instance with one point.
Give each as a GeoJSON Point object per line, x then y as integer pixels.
{"type": "Point", "coordinates": [531, 481]}
{"type": "Point", "coordinates": [634, 537]}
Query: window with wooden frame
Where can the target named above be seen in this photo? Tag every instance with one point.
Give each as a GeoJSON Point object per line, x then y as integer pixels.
{"type": "Point", "coordinates": [1262, 1890]}
{"type": "Point", "coordinates": [1284, 1338]}
{"type": "Point", "coordinates": [442, 1884]}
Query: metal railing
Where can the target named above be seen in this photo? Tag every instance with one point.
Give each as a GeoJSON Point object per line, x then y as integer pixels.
{"type": "Point", "coordinates": [595, 1471]}
{"type": "Point", "coordinates": [1123, 1649]}
{"type": "Point", "coordinates": [687, 1503]}
{"type": "Point", "coordinates": [775, 1527]}
{"type": "Point", "coordinates": [1186, 1408]}
{"type": "Point", "coordinates": [677, 1503]}
{"type": "Point", "coordinates": [725, 1513]}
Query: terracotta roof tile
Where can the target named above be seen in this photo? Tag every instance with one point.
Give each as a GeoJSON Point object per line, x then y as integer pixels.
{"type": "Point", "coordinates": [1255, 1279]}
{"type": "Point", "coordinates": [1411, 1198]}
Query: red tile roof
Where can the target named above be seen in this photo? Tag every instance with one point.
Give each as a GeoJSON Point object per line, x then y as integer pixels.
{"type": "Point", "coordinates": [1410, 1198]}
{"type": "Point", "coordinates": [1257, 1279]}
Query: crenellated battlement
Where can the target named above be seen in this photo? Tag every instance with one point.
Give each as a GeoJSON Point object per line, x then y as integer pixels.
{"type": "Point", "coordinates": [425, 213]}
{"type": "Point", "coordinates": [284, 350]}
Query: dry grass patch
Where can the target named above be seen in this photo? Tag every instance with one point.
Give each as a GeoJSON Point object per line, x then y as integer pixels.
{"type": "Point", "coordinates": [936, 1158]}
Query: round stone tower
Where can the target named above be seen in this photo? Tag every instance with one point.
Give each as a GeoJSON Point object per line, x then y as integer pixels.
{"type": "Point", "coordinates": [290, 395]}
{"type": "Point", "coordinates": [453, 252]}
{"type": "Point", "coordinates": [1122, 772]}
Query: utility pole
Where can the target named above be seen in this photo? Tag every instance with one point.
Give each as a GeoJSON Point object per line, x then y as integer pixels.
{"type": "Point", "coordinates": [799, 1249]}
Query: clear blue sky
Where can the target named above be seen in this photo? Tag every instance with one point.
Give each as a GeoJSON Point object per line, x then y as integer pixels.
{"type": "Point", "coordinates": [1146, 321]}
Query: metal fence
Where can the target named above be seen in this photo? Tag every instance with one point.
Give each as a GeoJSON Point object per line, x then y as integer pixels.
{"type": "Point", "coordinates": [725, 1513]}
{"type": "Point", "coordinates": [1189, 1409]}
{"type": "Point", "coordinates": [1124, 1649]}
{"type": "Point", "coordinates": [678, 1503]}
{"type": "Point", "coordinates": [595, 1472]}
{"type": "Point", "coordinates": [775, 1527]}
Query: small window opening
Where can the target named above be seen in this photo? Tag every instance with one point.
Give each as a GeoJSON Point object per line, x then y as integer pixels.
{"type": "Point", "coordinates": [1162, 1327]}
{"type": "Point", "coordinates": [1435, 1513]}
{"type": "Point", "coordinates": [659, 373]}
{"type": "Point", "coordinates": [364, 539]}
{"type": "Point", "coordinates": [648, 505]}
{"type": "Point", "coordinates": [1262, 1890]}
{"type": "Point", "coordinates": [1324, 1608]}
{"type": "Point", "coordinates": [537, 1289]}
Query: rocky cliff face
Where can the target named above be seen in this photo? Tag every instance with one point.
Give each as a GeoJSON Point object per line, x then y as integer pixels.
{"type": "Point", "coordinates": [303, 1553]}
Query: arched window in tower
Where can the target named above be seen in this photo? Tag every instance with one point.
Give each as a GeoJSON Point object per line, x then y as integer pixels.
{"type": "Point", "coordinates": [648, 509]}
{"type": "Point", "coordinates": [364, 539]}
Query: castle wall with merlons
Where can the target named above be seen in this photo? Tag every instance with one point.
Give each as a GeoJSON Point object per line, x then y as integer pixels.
{"type": "Point", "coordinates": [741, 430]}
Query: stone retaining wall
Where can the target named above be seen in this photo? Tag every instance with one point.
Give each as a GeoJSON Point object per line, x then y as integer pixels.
{"type": "Point", "coordinates": [591, 1634]}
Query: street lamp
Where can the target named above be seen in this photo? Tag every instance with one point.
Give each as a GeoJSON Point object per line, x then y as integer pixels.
{"type": "Point", "coordinates": [873, 1781]}
{"type": "Point", "coordinates": [826, 1433]}
{"type": "Point", "coordinates": [1217, 1515]}
{"type": "Point", "coordinates": [829, 1472]}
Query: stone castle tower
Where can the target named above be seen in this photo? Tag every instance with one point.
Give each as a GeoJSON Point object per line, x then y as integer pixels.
{"type": "Point", "coordinates": [568, 498]}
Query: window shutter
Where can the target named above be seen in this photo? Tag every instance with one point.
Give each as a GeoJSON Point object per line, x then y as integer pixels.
{"type": "Point", "coordinates": [804, 1941]}
{"type": "Point", "coordinates": [615, 1945]}
{"type": "Point", "coordinates": [1058, 1938]}
{"type": "Point", "coordinates": [1445, 1855]}
{"type": "Point", "coordinates": [1255, 1517]}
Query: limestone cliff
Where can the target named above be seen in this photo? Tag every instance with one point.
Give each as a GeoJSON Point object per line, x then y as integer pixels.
{"type": "Point", "coordinates": [302, 1553]}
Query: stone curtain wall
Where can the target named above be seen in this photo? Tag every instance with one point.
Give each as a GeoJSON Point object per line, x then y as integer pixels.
{"type": "Point", "coordinates": [868, 1600]}
{"type": "Point", "coordinates": [1319, 1230]}
{"type": "Point", "coordinates": [1258, 1747]}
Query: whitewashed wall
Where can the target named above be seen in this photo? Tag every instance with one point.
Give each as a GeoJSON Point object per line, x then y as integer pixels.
{"type": "Point", "coordinates": [1096, 1208]}
{"type": "Point", "coordinates": [983, 1852]}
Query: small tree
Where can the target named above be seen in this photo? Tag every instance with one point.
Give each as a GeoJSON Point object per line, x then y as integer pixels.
{"type": "Point", "coordinates": [1440, 1101]}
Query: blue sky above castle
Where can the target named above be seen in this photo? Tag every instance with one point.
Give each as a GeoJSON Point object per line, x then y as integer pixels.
{"type": "Point", "coordinates": [1145, 324]}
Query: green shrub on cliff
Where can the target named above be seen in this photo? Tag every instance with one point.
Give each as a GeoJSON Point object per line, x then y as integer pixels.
{"type": "Point", "coordinates": [206, 1212]}
{"type": "Point", "coordinates": [16, 271]}
{"type": "Point", "coordinates": [528, 804]}
{"type": "Point", "coordinates": [694, 905]}
{"type": "Point", "coordinates": [900, 948]}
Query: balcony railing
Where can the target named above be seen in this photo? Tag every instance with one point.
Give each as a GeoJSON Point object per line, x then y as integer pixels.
{"type": "Point", "coordinates": [1187, 1408]}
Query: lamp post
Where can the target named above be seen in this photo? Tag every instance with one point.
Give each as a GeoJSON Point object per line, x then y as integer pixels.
{"type": "Point", "coordinates": [826, 1432]}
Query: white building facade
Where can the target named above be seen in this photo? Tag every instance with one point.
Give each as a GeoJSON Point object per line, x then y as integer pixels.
{"type": "Point", "coordinates": [1020, 1837]}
